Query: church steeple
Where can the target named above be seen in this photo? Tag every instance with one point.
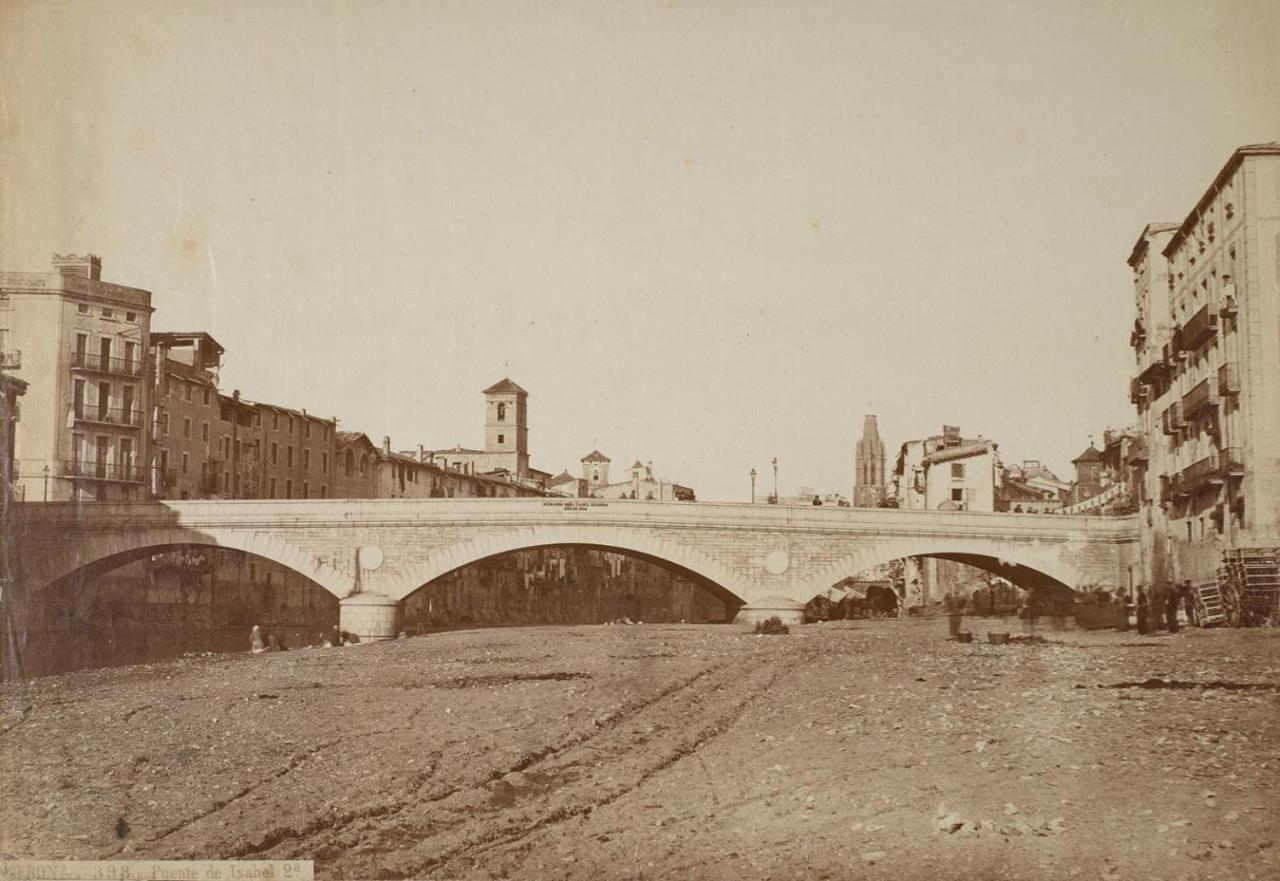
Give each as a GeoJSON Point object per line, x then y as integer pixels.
{"type": "Point", "coordinates": [869, 463]}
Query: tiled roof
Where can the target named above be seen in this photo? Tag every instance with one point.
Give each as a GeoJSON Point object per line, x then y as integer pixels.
{"type": "Point", "coordinates": [504, 387]}
{"type": "Point", "coordinates": [596, 456]}
{"type": "Point", "coordinates": [1092, 454]}
{"type": "Point", "coordinates": [563, 477]}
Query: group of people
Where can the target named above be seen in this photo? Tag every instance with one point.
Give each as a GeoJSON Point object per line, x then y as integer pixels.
{"type": "Point", "coordinates": [272, 643]}
{"type": "Point", "coordinates": [1152, 614]}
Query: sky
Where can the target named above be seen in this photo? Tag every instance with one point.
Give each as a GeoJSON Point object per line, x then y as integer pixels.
{"type": "Point", "coordinates": [705, 234]}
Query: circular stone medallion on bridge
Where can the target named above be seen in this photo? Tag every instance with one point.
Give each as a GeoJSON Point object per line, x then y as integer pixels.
{"type": "Point", "coordinates": [777, 562]}
{"type": "Point", "coordinates": [370, 557]}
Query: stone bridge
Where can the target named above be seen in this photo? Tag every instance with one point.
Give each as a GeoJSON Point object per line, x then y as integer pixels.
{"type": "Point", "coordinates": [371, 554]}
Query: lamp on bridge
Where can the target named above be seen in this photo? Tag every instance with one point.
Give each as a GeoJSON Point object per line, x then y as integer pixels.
{"type": "Point", "coordinates": [773, 499]}
{"type": "Point", "coordinates": [46, 483]}
{"type": "Point", "coordinates": [753, 486]}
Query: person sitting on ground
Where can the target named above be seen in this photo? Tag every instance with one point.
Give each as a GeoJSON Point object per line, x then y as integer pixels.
{"type": "Point", "coordinates": [335, 637]}
{"type": "Point", "coordinates": [274, 643]}
{"type": "Point", "coordinates": [349, 638]}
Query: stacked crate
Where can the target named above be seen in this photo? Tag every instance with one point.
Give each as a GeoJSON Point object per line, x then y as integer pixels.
{"type": "Point", "coordinates": [1250, 577]}
{"type": "Point", "coordinates": [1210, 606]}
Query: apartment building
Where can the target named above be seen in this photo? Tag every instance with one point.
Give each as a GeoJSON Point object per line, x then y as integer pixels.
{"type": "Point", "coordinates": [187, 410]}
{"type": "Point", "coordinates": [1206, 342]}
{"type": "Point", "coordinates": [84, 345]}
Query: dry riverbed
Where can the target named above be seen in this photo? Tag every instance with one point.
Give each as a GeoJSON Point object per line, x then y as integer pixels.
{"type": "Point", "coordinates": [848, 750]}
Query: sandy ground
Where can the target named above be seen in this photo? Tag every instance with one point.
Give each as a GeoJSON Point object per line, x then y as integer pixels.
{"type": "Point", "coordinates": [873, 749]}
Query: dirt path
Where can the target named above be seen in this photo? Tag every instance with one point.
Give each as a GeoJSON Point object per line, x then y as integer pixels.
{"type": "Point", "coordinates": [870, 749]}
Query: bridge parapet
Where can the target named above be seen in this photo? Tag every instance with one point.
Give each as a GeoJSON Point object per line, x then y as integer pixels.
{"type": "Point", "coordinates": [392, 547]}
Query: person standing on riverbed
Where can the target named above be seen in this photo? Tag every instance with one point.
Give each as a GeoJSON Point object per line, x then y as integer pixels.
{"type": "Point", "coordinates": [1171, 608]}
{"type": "Point", "coordinates": [1144, 610]}
{"type": "Point", "coordinates": [256, 645]}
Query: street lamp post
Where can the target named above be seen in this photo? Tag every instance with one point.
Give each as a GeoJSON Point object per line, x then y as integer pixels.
{"type": "Point", "coordinates": [775, 480]}
{"type": "Point", "coordinates": [753, 486]}
{"type": "Point", "coordinates": [46, 483]}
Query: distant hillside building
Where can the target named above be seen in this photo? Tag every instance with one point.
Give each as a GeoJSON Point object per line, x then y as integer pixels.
{"type": "Point", "coordinates": [869, 465]}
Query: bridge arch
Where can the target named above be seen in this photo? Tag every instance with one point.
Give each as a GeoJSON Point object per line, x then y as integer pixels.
{"type": "Point", "coordinates": [1035, 566]}
{"type": "Point", "coordinates": [687, 561]}
{"type": "Point", "coordinates": [97, 555]}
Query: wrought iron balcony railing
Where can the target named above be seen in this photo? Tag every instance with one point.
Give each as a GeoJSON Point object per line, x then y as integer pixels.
{"type": "Point", "coordinates": [1229, 379]}
{"type": "Point", "coordinates": [1200, 327]}
{"type": "Point", "coordinates": [100, 364]}
{"type": "Point", "coordinates": [1172, 420]}
{"type": "Point", "coordinates": [118, 416]}
{"type": "Point", "coordinates": [115, 471]}
{"type": "Point", "coordinates": [1202, 397]}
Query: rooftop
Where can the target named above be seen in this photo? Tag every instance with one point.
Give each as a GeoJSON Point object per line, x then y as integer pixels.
{"type": "Point", "coordinates": [504, 387]}
{"type": "Point", "coordinates": [1271, 148]}
{"type": "Point", "coordinates": [596, 456]}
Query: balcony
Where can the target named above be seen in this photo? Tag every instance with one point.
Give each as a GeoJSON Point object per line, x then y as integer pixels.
{"type": "Point", "coordinates": [84, 362]}
{"type": "Point", "coordinates": [114, 416]}
{"type": "Point", "coordinates": [1201, 327]}
{"type": "Point", "coordinates": [1139, 391]}
{"type": "Point", "coordinates": [1231, 460]}
{"type": "Point", "coordinates": [1171, 420]}
{"type": "Point", "coordinates": [1229, 379]}
{"type": "Point", "coordinates": [112, 471]}
{"type": "Point", "coordinates": [1202, 397]}
{"type": "Point", "coordinates": [1229, 306]}
{"type": "Point", "coordinates": [11, 360]}
{"type": "Point", "coordinates": [1198, 474]}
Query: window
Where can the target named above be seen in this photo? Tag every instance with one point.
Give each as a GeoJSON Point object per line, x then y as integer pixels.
{"type": "Point", "coordinates": [324, 463]}
{"type": "Point", "coordinates": [275, 421]}
{"type": "Point", "coordinates": [350, 463]}
{"type": "Point", "coordinates": [79, 398]}
{"type": "Point", "coordinates": [306, 490]}
{"type": "Point", "coordinates": [957, 494]}
{"type": "Point", "coordinates": [186, 391]}
{"type": "Point", "coordinates": [131, 316]}
{"type": "Point", "coordinates": [306, 460]}
{"type": "Point", "coordinates": [106, 313]}
{"type": "Point", "coordinates": [502, 439]}
{"type": "Point", "coordinates": [226, 481]}
{"type": "Point", "coordinates": [288, 456]}
{"type": "Point", "coordinates": [206, 397]}
{"type": "Point", "coordinates": [364, 464]}
{"type": "Point", "coordinates": [82, 308]}
{"type": "Point", "coordinates": [324, 491]}
{"type": "Point", "coordinates": [275, 457]}
{"type": "Point", "coordinates": [186, 462]}
{"type": "Point", "coordinates": [306, 430]}
{"type": "Point", "coordinates": [204, 432]}
{"type": "Point", "coordinates": [288, 489]}
{"type": "Point", "coordinates": [186, 429]}
{"type": "Point", "coordinates": [290, 424]}
{"type": "Point", "coordinates": [164, 424]}
{"type": "Point", "coordinates": [502, 414]}
{"type": "Point", "coordinates": [957, 469]}
{"type": "Point", "coordinates": [273, 488]}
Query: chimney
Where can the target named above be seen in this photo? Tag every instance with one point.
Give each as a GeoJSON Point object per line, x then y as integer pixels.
{"type": "Point", "coordinates": [386, 445]}
{"type": "Point", "coordinates": [235, 394]}
{"type": "Point", "coordinates": [422, 454]}
{"type": "Point", "coordinates": [87, 266]}
{"type": "Point", "coordinates": [648, 470]}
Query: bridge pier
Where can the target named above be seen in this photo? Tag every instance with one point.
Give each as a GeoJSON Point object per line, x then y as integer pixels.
{"type": "Point", "coordinates": [371, 616]}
